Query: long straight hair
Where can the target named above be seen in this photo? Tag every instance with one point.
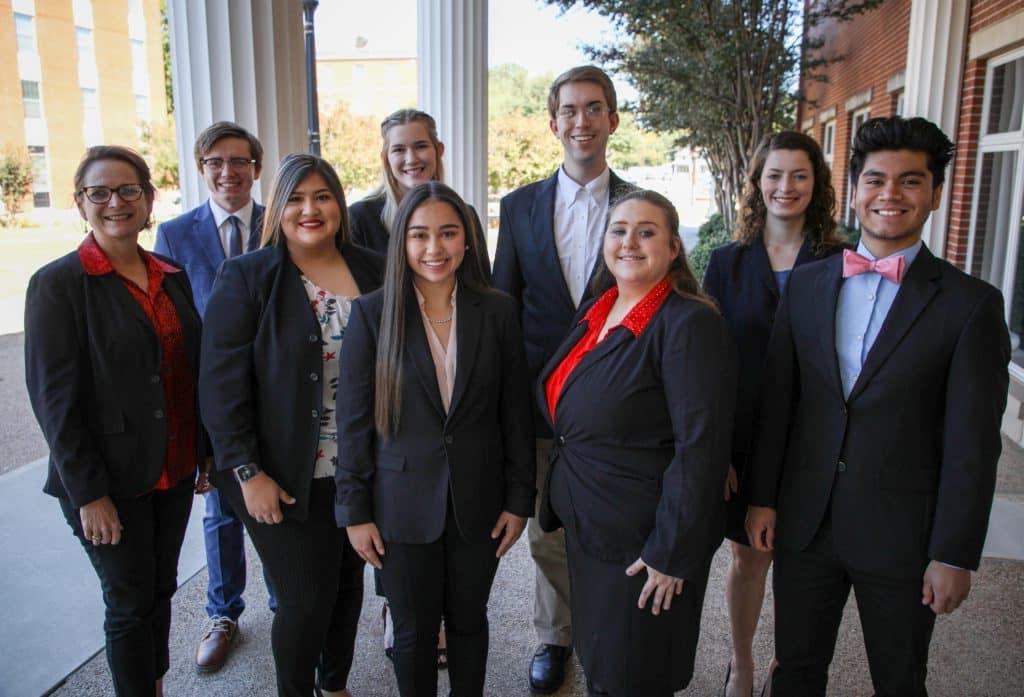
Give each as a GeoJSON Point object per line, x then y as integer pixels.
{"type": "Point", "coordinates": [389, 189]}
{"type": "Point", "coordinates": [680, 275]}
{"type": "Point", "coordinates": [397, 290]}
{"type": "Point", "coordinates": [294, 170]}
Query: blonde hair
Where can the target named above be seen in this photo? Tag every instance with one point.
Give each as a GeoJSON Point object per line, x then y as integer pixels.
{"type": "Point", "coordinates": [389, 189]}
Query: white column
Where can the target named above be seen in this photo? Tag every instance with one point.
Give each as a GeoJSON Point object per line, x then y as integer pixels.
{"type": "Point", "coordinates": [452, 84]}
{"type": "Point", "coordinates": [242, 61]}
{"type": "Point", "coordinates": [935, 63]}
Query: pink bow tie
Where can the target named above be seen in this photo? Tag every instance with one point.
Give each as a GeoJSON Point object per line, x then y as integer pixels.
{"type": "Point", "coordinates": [891, 268]}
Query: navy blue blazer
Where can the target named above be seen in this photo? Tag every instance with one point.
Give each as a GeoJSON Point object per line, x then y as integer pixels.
{"type": "Point", "coordinates": [642, 436]}
{"type": "Point", "coordinates": [906, 465]}
{"type": "Point", "coordinates": [368, 229]}
{"type": "Point", "coordinates": [92, 366]}
{"type": "Point", "coordinates": [260, 385]}
{"type": "Point", "coordinates": [192, 240]}
{"type": "Point", "coordinates": [526, 267]}
{"type": "Point", "coordinates": [740, 279]}
{"type": "Point", "coordinates": [480, 454]}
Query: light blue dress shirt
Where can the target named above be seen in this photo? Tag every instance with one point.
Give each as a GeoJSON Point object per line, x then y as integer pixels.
{"type": "Point", "coordinates": [864, 303]}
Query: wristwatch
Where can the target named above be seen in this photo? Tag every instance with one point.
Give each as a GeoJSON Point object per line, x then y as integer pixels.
{"type": "Point", "coordinates": [244, 473]}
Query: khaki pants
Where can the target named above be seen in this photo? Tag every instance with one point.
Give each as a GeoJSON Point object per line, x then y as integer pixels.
{"type": "Point", "coordinates": [551, 614]}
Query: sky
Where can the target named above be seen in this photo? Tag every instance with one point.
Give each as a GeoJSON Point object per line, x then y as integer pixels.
{"type": "Point", "coordinates": [530, 33]}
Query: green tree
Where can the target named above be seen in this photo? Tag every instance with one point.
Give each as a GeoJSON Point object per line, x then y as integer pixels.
{"type": "Point", "coordinates": [160, 148]}
{"type": "Point", "coordinates": [711, 235]}
{"type": "Point", "coordinates": [165, 42]}
{"type": "Point", "coordinates": [352, 145]}
{"type": "Point", "coordinates": [721, 73]}
{"type": "Point", "coordinates": [520, 149]}
{"type": "Point", "coordinates": [15, 180]}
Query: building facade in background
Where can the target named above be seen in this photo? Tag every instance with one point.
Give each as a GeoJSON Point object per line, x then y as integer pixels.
{"type": "Point", "coordinates": [984, 232]}
{"type": "Point", "coordinates": [75, 73]}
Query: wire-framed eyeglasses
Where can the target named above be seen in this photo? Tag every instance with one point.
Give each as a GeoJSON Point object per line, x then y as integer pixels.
{"type": "Point", "coordinates": [102, 194]}
{"type": "Point", "coordinates": [216, 164]}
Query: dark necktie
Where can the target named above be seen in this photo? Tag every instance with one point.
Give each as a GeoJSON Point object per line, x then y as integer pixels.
{"type": "Point", "coordinates": [235, 241]}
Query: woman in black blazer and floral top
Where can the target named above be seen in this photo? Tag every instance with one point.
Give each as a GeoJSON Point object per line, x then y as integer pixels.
{"type": "Point", "coordinates": [435, 430]}
{"type": "Point", "coordinates": [275, 323]}
{"type": "Point", "coordinates": [785, 221]}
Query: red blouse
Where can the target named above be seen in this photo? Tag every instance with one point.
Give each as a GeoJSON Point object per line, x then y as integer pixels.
{"type": "Point", "coordinates": [636, 321]}
{"type": "Point", "coordinates": [175, 369]}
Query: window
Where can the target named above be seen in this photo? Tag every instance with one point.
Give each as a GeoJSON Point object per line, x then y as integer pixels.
{"type": "Point", "coordinates": [856, 121]}
{"type": "Point", "coordinates": [995, 249]}
{"type": "Point", "coordinates": [25, 28]}
{"type": "Point", "coordinates": [142, 107]}
{"type": "Point", "coordinates": [40, 176]}
{"type": "Point", "coordinates": [81, 10]}
{"type": "Point", "coordinates": [828, 140]}
{"type": "Point", "coordinates": [87, 75]}
{"type": "Point", "coordinates": [136, 20]}
{"type": "Point", "coordinates": [901, 103]}
{"type": "Point", "coordinates": [92, 128]}
{"type": "Point", "coordinates": [30, 99]}
{"type": "Point", "coordinates": [140, 80]}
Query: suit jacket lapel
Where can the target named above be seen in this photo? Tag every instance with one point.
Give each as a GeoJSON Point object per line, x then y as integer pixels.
{"type": "Point", "coordinates": [255, 227]}
{"type": "Point", "coordinates": [570, 340]}
{"type": "Point", "coordinates": [418, 350]}
{"type": "Point", "coordinates": [763, 264]}
{"type": "Point", "coordinates": [467, 335]}
{"type": "Point", "coordinates": [827, 284]}
{"type": "Point", "coordinates": [204, 228]}
{"type": "Point", "coordinates": [916, 291]}
{"type": "Point", "coordinates": [542, 223]}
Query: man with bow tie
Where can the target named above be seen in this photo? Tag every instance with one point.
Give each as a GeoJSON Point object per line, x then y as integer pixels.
{"type": "Point", "coordinates": [875, 460]}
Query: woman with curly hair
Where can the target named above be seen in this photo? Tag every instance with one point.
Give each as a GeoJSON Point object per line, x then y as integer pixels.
{"type": "Point", "coordinates": [786, 220]}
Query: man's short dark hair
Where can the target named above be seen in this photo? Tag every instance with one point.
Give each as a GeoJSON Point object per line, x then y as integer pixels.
{"type": "Point", "coordinates": [583, 73]}
{"type": "Point", "coordinates": [226, 129]}
{"type": "Point", "coordinates": [897, 133]}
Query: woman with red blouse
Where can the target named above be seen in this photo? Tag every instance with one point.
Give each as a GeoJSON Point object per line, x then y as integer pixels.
{"type": "Point", "coordinates": [111, 362]}
{"type": "Point", "coordinates": [640, 398]}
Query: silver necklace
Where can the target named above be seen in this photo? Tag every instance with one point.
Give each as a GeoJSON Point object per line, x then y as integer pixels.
{"type": "Point", "coordinates": [441, 321]}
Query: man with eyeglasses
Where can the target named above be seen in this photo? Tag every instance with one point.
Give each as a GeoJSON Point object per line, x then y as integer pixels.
{"type": "Point", "coordinates": [229, 159]}
{"type": "Point", "coordinates": [549, 239]}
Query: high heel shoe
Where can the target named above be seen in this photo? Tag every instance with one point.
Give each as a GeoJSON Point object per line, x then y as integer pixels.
{"type": "Point", "coordinates": [725, 686]}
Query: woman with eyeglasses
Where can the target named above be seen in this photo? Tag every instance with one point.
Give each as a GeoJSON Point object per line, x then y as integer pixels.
{"type": "Point", "coordinates": [275, 325]}
{"type": "Point", "coordinates": [111, 360]}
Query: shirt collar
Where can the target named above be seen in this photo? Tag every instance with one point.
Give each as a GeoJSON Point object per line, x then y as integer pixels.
{"type": "Point", "coordinates": [596, 187]}
{"type": "Point", "coordinates": [910, 253]}
{"type": "Point", "coordinates": [96, 263]}
{"type": "Point", "coordinates": [244, 213]}
{"type": "Point", "coordinates": [637, 319]}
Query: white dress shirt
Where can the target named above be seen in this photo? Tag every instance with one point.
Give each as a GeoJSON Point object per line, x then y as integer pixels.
{"type": "Point", "coordinates": [220, 218]}
{"type": "Point", "coordinates": [580, 212]}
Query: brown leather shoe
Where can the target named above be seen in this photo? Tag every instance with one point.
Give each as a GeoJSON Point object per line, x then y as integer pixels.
{"type": "Point", "coordinates": [216, 645]}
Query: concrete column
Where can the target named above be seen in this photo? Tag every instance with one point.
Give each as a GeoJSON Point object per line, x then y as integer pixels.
{"type": "Point", "coordinates": [935, 63]}
{"type": "Point", "coordinates": [452, 84]}
{"type": "Point", "coordinates": [242, 61]}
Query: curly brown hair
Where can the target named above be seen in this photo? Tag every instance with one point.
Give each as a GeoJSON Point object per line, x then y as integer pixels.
{"type": "Point", "coordinates": [819, 221]}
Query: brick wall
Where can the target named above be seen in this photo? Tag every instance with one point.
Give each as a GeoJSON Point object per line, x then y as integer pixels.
{"type": "Point", "coordinates": [874, 47]}
{"type": "Point", "coordinates": [986, 12]}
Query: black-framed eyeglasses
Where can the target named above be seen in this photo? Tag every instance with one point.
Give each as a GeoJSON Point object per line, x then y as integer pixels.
{"type": "Point", "coordinates": [592, 111]}
{"type": "Point", "coordinates": [216, 164]}
{"type": "Point", "coordinates": [102, 194]}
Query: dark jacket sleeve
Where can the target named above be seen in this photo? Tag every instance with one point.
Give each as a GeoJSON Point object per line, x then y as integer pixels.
{"type": "Point", "coordinates": [713, 277]}
{"type": "Point", "coordinates": [226, 376]}
{"type": "Point", "coordinates": [516, 414]}
{"type": "Point", "coordinates": [54, 373]}
{"type": "Point", "coordinates": [354, 416]}
{"type": "Point", "coordinates": [976, 387]}
{"type": "Point", "coordinates": [698, 369]}
{"type": "Point", "coordinates": [507, 275]}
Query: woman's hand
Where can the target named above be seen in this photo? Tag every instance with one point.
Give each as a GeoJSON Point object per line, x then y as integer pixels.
{"type": "Point", "coordinates": [367, 542]}
{"type": "Point", "coordinates": [100, 522]}
{"type": "Point", "coordinates": [513, 526]}
{"type": "Point", "coordinates": [732, 483]}
{"type": "Point", "coordinates": [263, 499]}
{"type": "Point", "coordinates": [662, 586]}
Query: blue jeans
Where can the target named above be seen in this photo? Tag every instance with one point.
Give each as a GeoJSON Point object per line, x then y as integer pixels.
{"type": "Point", "coordinates": [225, 560]}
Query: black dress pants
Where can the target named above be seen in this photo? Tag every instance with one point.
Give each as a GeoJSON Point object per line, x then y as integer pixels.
{"type": "Point", "coordinates": [318, 579]}
{"type": "Point", "coordinates": [139, 575]}
{"type": "Point", "coordinates": [449, 578]}
{"type": "Point", "coordinates": [811, 589]}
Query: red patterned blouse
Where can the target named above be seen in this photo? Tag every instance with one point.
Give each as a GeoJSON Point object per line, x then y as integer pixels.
{"type": "Point", "coordinates": [636, 321]}
{"type": "Point", "coordinates": [175, 371]}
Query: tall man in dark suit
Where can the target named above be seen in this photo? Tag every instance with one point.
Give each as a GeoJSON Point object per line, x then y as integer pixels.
{"type": "Point", "coordinates": [549, 239]}
{"type": "Point", "coordinates": [876, 457]}
{"type": "Point", "coordinates": [229, 159]}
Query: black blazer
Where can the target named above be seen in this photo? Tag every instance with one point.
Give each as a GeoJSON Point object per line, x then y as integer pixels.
{"type": "Point", "coordinates": [909, 460]}
{"type": "Point", "coordinates": [740, 279]}
{"type": "Point", "coordinates": [526, 267]}
{"type": "Point", "coordinates": [92, 365]}
{"type": "Point", "coordinates": [368, 230]}
{"type": "Point", "coordinates": [642, 435]}
{"type": "Point", "coordinates": [481, 455]}
{"type": "Point", "coordinates": [260, 384]}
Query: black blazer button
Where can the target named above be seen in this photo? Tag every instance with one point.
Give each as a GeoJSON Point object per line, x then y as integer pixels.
{"type": "Point", "coordinates": [155, 379]}
{"type": "Point", "coordinates": [314, 377]}
{"type": "Point", "coordinates": [449, 440]}
{"type": "Point", "coordinates": [561, 440]}
{"type": "Point", "coordinates": [313, 338]}
{"type": "Point", "coordinates": [842, 466]}
{"type": "Point", "coordinates": [158, 414]}
{"type": "Point", "coordinates": [316, 414]}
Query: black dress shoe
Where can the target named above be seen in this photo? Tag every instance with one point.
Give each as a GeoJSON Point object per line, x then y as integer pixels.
{"type": "Point", "coordinates": [547, 669]}
{"type": "Point", "coordinates": [594, 691]}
